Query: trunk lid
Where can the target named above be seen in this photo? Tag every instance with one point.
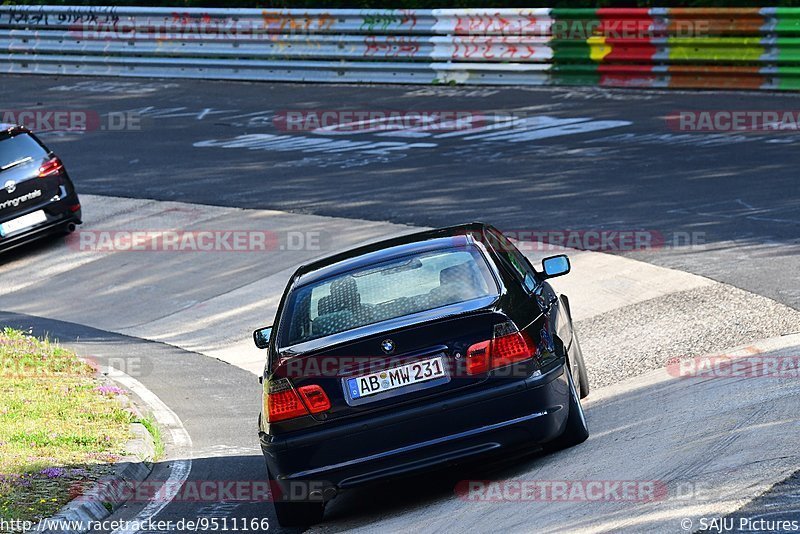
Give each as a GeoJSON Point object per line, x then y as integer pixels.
{"type": "Point", "coordinates": [443, 342]}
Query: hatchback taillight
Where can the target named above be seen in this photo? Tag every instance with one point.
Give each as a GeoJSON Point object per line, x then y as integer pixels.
{"type": "Point", "coordinates": [506, 347]}
{"type": "Point", "coordinates": [50, 168]}
{"type": "Point", "coordinates": [282, 401]}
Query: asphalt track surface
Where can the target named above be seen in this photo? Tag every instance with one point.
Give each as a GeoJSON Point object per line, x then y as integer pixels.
{"type": "Point", "coordinates": [580, 159]}
{"type": "Point", "coordinates": [620, 168]}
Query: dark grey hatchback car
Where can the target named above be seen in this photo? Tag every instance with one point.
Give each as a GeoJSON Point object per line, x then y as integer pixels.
{"type": "Point", "coordinates": [408, 354]}
{"type": "Point", "coordinates": [37, 197]}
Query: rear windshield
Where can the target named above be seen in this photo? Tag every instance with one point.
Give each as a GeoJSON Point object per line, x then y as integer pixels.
{"type": "Point", "coordinates": [385, 291]}
{"type": "Point", "coordinates": [19, 150]}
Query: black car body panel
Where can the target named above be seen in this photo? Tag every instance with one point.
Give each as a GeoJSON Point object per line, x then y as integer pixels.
{"type": "Point", "coordinates": [513, 414]}
{"type": "Point", "coordinates": [36, 192]}
{"type": "Point", "coordinates": [521, 405]}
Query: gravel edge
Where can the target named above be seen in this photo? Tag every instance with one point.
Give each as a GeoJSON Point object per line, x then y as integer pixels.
{"type": "Point", "coordinates": [633, 340]}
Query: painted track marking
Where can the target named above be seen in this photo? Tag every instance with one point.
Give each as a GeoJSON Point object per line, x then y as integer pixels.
{"type": "Point", "coordinates": [179, 468]}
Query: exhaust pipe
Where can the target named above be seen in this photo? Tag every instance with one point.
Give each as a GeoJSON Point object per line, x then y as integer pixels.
{"type": "Point", "coordinates": [70, 227]}
{"type": "Point", "coordinates": [326, 495]}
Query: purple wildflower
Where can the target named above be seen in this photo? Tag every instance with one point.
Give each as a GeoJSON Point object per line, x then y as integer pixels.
{"type": "Point", "coordinates": [52, 472]}
{"type": "Point", "coordinates": [109, 390]}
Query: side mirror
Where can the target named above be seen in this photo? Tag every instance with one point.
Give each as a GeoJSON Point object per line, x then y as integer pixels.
{"type": "Point", "coordinates": [555, 266]}
{"type": "Point", "coordinates": [261, 337]}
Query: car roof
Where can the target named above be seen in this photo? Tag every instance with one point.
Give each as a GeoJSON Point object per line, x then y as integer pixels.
{"type": "Point", "coordinates": [7, 128]}
{"type": "Point", "coordinates": [388, 249]}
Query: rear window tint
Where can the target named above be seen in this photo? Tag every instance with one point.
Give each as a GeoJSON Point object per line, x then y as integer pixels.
{"type": "Point", "coordinates": [18, 150]}
{"type": "Point", "coordinates": [385, 291]}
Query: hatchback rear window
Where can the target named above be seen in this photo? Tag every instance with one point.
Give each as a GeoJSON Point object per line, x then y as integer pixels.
{"type": "Point", "coordinates": [18, 150]}
{"type": "Point", "coordinates": [385, 291]}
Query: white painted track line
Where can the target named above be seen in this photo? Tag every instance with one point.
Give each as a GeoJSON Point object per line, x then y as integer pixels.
{"type": "Point", "coordinates": [180, 446]}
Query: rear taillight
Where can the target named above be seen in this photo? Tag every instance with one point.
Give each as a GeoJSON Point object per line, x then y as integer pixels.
{"type": "Point", "coordinates": [315, 398]}
{"type": "Point", "coordinates": [282, 401]}
{"type": "Point", "coordinates": [50, 168]}
{"type": "Point", "coordinates": [508, 346]}
{"type": "Point", "coordinates": [478, 356]}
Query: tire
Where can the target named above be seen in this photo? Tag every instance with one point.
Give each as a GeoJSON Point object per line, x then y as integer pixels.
{"type": "Point", "coordinates": [576, 430]}
{"type": "Point", "coordinates": [297, 513]}
{"type": "Point", "coordinates": [582, 376]}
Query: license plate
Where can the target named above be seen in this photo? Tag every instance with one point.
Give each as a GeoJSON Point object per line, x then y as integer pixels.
{"type": "Point", "coordinates": [21, 223]}
{"type": "Point", "coordinates": [396, 377]}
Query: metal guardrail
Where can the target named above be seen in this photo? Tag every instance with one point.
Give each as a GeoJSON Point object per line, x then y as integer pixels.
{"type": "Point", "coordinates": [657, 47]}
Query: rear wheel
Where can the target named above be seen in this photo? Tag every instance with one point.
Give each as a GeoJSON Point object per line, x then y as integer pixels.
{"type": "Point", "coordinates": [576, 430]}
{"type": "Point", "coordinates": [296, 513]}
{"type": "Point", "coordinates": [579, 376]}
{"type": "Point", "coordinates": [299, 514]}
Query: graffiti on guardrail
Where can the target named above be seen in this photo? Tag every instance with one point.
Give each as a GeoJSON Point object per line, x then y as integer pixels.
{"type": "Point", "coordinates": [72, 15]}
{"type": "Point", "coordinates": [391, 46]}
{"type": "Point", "coordinates": [405, 19]}
{"type": "Point", "coordinates": [276, 22]}
{"type": "Point", "coordinates": [496, 47]}
{"type": "Point", "coordinates": [501, 25]}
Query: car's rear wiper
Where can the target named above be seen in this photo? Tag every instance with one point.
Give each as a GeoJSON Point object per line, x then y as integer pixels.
{"type": "Point", "coordinates": [15, 163]}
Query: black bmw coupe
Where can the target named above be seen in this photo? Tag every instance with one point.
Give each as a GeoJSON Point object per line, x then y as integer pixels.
{"type": "Point", "coordinates": [412, 353]}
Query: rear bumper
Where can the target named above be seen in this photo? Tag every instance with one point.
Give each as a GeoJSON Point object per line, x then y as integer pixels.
{"type": "Point", "coordinates": [522, 413]}
{"type": "Point", "coordinates": [58, 215]}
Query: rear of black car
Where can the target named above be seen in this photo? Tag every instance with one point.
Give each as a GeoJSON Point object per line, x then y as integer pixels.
{"type": "Point", "coordinates": [37, 197]}
{"type": "Point", "coordinates": [457, 364]}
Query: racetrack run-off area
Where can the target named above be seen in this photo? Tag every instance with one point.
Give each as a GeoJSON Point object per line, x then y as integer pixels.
{"type": "Point", "coordinates": [721, 208]}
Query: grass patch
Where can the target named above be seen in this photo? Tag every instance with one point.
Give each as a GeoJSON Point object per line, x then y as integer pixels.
{"type": "Point", "coordinates": [155, 432]}
{"type": "Point", "coordinates": [60, 428]}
